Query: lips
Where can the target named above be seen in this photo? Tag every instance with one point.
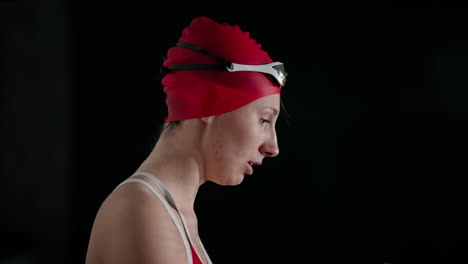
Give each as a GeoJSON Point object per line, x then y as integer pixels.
{"type": "Point", "coordinates": [254, 162]}
{"type": "Point", "coordinates": [249, 169]}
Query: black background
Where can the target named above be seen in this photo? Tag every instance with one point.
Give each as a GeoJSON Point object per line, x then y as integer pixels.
{"type": "Point", "coordinates": [373, 144]}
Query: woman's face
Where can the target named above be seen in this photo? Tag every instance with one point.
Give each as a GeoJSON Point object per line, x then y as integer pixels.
{"type": "Point", "coordinates": [240, 138]}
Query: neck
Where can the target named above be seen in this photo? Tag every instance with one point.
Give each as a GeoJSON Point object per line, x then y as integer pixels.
{"type": "Point", "coordinates": [176, 163]}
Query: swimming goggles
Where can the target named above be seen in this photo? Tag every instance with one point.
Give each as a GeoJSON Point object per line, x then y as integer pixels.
{"type": "Point", "coordinates": [275, 69]}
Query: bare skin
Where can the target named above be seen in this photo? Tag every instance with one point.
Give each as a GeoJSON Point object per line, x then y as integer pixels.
{"type": "Point", "coordinates": [132, 226]}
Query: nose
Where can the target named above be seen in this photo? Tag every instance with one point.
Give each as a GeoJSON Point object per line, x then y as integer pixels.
{"type": "Point", "coordinates": [270, 147]}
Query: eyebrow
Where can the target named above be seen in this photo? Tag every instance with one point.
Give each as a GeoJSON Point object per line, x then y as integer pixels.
{"type": "Point", "coordinates": [273, 109]}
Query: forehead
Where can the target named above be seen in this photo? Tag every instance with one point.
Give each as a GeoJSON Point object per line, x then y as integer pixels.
{"type": "Point", "coordinates": [267, 104]}
{"type": "Point", "coordinates": [270, 102]}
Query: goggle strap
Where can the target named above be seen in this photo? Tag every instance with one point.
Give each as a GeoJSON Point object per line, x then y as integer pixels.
{"type": "Point", "coordinates": [200, 49]}
{"type": "Point", "coordinates": [165, 70]}
{"type": "Point", "coordinates": [226, 65]}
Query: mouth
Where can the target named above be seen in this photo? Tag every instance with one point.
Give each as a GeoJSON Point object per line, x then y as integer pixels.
{"type": "Point", "coordinates": [250, 165]}
{"type": "Point", "coordinates": [249, 168]}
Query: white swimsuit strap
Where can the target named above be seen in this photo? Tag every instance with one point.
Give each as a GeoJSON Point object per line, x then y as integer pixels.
{"type": "Point", "coordinates": [171, 213]}
{"type": "Point", "coordinates": [169, 198]}
{"type": "Point", "coordinates": [204, 251]}
{"type": "Point", "coordinates": [161, 187]}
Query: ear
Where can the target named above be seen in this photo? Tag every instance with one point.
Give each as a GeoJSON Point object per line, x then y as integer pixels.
{"type": "Point", "coordinates": [207, 119]}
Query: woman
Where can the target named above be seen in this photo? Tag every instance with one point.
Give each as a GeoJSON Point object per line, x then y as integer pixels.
{"type": "Point", "coordinates": [223, 98]}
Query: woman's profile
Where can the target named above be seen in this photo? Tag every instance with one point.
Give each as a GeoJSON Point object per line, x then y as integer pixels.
{"type": "Point", "coordinates": [223, 100]}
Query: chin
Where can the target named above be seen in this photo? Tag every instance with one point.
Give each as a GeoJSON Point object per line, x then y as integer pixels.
{"type": "Point", "coordinates": [233, 180]}
{"type": "Point", "coordinates": [238, 181]}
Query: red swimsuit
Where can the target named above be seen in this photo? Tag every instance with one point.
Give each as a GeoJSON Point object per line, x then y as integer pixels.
{"type": "Point", "coordinates": [196, 259]}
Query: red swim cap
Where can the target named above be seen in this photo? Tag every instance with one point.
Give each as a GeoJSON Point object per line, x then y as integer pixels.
{"type": "Point", "coordinates": [202, 93]}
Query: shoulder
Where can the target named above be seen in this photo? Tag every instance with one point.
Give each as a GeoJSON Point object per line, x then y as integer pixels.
{"type": "Point", "coordinates": [133, 226]}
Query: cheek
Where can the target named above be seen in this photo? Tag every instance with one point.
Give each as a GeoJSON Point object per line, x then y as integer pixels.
{"type": "Point", "coordinates": [232, 147]}
{"type": "Point", "coordinates": [218, 147]}
{"type": "Point", "coordinates": [236, 143]}
{"type": "Point", "coordinates": [247, 140]}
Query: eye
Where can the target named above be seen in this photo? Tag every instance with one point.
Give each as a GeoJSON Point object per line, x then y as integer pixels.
{"type": "Point", "coordinates": [265, 121]}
